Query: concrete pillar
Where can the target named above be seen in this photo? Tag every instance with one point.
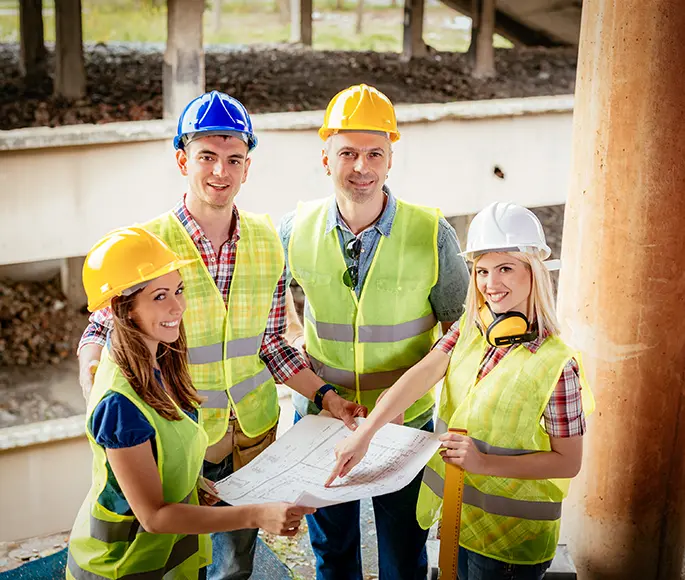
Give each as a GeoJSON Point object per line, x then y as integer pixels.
{"type": "Point", "coordinates": [301, 21]}
{"type": "Point", "coordinates": [461, 225]}
{"type": "Point", "coordinates": [184, 58]}
{"type": "Point", "coordinates": [412, 40]}
{"type": "Point", "coordinates": [32, 61]}
{"type": "Point", "coordinates": [70, 72]}
{"type": "Point", "coordinates": [72, 285]}
{"type": "Point", "coordinates": [622, 289]}
{"type": "Point", "coordinates": [481, 49]}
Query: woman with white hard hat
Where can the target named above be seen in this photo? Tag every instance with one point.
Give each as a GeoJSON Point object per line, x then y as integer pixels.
{"type": "Point", "coordinates": [146, 514]}
{"type": "Point", "coordinates": [516, 388]}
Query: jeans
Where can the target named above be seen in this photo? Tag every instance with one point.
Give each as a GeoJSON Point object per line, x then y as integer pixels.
{"type": "Point", "coordinates": [473, 566]}
{"type": "Point", "coordinates": [335, 536]}
{"type": "Point", "coordinates": [232, 552]}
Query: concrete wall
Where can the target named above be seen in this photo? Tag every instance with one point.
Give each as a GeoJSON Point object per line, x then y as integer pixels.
{"type": "Point", "coordinates": [63, 188]}
{"type": "Point", "coordinates": [45, 472]}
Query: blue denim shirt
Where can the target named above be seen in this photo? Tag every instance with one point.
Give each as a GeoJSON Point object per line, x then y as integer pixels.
{"type": "Point", "coordinates": [448, 295]}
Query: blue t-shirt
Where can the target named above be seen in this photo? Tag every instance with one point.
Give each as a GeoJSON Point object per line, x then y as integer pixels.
{"type": "Point", "coordinates": [117, 423]}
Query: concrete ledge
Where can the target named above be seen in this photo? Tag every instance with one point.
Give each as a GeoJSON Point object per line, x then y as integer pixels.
{"type": "Point", "coordinates": [51, 431]}
{"type": "Point", "coordinates": [82, 135]}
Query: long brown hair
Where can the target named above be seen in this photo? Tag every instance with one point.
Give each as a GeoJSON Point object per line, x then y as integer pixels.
{"type": "Point", "coordinates": [133, 357]}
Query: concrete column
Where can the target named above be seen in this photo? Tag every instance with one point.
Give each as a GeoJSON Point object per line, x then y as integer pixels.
{"type": "Point", "coordinates": [184, 58]}
{"type": "Point", "coordinates": [461, 225]}
{"type": "Point", "coordinates": [622, 289]}
{"type": "Point", "coordinates": [481, 49]}
{"type": "Point", "coordinates": [72, 285]}
{"type": "Point", "coordinates": [301, 21]}
{"type": "Point", "coordinates": [412, 40]}
{"type": "Point", "coordinates": [70, 72]}
{"type": "Point", "coordinates": [32, 61]}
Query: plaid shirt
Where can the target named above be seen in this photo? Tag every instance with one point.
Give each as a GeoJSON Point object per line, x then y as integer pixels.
{"type": "Point", "coordinates": [563, 415]}
{"type": "Point", "coordinates": [282, 360]}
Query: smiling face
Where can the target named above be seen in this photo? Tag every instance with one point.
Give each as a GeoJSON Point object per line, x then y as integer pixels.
{"type": "Point", "coordinates": [216, 167]}
{"type": "Point", "coordinates": [158, 309]}
{"type": "Point", "coordinates": [358, 164]}
{"type": "Point", "coordinates": [504, 282]}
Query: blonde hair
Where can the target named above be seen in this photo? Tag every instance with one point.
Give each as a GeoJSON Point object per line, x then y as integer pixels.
{"type": "Point", "coordinates": [134, 358]}
{"type": "Point", "coordinates": [541, 307]}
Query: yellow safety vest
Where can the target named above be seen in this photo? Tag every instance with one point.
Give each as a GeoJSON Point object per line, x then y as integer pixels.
{"type": "Point", "coordinates": [104, 544]}
{"type": "Point", "coordinates": [362, 346]}
{"type": "Point", "coordinates": [224, 341]}
{"type": "Point", "coordinates": [511, 520]}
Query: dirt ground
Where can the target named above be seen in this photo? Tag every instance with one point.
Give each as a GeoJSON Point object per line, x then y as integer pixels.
{"type": "Point", "coordinates": [125, 80]}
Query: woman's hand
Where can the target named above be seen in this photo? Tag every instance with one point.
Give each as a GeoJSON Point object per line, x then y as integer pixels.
{"type": "Point", "coordinates": [281, 518]}
{"type": "Point", "coordinates": [207, 492]}
{"type": "Point", "coordinates": [348, 453]}
{"type": "Point", "coordinates": [462, 451]}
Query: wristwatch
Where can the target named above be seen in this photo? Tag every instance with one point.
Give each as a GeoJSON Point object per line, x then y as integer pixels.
{"type": "Point", "coordinates": [318, 397]}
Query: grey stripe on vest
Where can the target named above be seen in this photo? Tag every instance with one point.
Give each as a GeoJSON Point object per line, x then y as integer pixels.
{"type": "Point", "coordinates": [440, 426]}
{"type": "Point", "coordinates": [433, 480]}
{"type": "Point", "coordinates": [488, 449]}
{"type": "Point", "coordinates": [202, 355]}
{"type": "Point", "coordinates": [182, 550]}
{"type": "Point", "coordinates": [371, 332]}
{"type": "Point", "coordinates": [397, 332]}
{"type": "Point", "coordinates": [513, 508]}
{"type": "Point", "coordinates": [244, 346]}
{"type": "Point", "coordinates": [380, 380]}
{"type": "Point", "coordinates": [329, 330]}
{"type": "Point", "coordinates": [367, 381]}
{"type": "Point", "coordinates": [214, 399]}
{"type": "Point", "coordinates": [127, 531]}
{"type": "Point", "coordinates": [246, 386]}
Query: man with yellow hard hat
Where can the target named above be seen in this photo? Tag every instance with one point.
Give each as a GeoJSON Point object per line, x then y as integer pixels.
{"type": "Point", "coordinates": [235, 318]}
{"type": "Point", "coordinates": [379, 276]}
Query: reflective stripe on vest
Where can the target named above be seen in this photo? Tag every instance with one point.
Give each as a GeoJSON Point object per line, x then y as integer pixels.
{"type": "Point", "coordinates": [371, 332]}
{"type": "Point", "coordinates": [495, 504]}
{"type": "Point", "coordinates": [211, 353]}
{"type": "Point", "coordinates": [182, 550]}
{"type": "Point", "coordinates": [111, 532]}
{"type": "Point", "coordinates": [367, 381]}
{"type": "Point", "coordinates": [219, 399]}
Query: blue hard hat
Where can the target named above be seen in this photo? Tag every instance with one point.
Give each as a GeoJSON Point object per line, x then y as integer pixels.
{"type": "Point", "coordinates": [215, 113]}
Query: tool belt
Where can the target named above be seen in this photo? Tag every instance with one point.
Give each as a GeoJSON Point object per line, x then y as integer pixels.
{"type": "Point", "coordinates": [243, 448]}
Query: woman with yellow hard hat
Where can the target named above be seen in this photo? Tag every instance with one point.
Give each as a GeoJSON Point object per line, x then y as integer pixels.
{"type": "Point", "coordinates": [142, 517]}
{"type": "Point", "coordinates": [516, 388]}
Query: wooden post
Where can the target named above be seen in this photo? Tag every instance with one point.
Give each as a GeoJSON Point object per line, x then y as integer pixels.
{"type": "Point", "coordinates": [360, 17]}
{"type": "Point", "coordinates": [301, 21]}
{"type": "Point", "coordinates": [184, 59]}
{"type": "Point", "coordinates": [621, 290]}
{"type": "Point", "coordinates": [70, 71]}
{"type": "Point", "coordinates": [481, 50]}
{"type": "Point", "coordinates": [32, 62]}
{"type": "Point", "coordinates": [412, 41]}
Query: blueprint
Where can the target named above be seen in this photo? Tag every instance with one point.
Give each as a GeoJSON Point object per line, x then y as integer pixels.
{"type": "Point", "coordinates": [295, 467]}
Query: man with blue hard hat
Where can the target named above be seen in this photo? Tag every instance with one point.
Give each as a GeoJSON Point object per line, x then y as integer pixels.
{"type": "Point", "coordinates": [236, 315]}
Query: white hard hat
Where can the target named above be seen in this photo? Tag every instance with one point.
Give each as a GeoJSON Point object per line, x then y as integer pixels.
{"type": "Point", "coordinates": [506, 227]}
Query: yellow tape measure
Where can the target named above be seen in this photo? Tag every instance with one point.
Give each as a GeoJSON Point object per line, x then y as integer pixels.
{"type": "Point", "coordinates": [453, 496]}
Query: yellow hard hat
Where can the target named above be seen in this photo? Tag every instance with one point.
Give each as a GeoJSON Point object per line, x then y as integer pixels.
{"type": "Point", "coordinates": [123, 260]}
{"type": "Point", "coordinates": [360, 108]}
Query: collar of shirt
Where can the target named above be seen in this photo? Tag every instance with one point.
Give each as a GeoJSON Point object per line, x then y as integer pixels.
{"type": "Point", "coordinates": [383, 224]}
{"type": "Point", "coordinates": [193, 228]}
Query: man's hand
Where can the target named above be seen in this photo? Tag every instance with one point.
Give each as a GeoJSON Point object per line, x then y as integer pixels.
{"type": "Point", "coordinates": [343, 409]}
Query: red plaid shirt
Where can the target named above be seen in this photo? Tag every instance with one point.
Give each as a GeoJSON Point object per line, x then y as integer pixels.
{"type": "Point", "coordinates": [282, 360]}
{"type": "Point", "coordinates": [563, 415]}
